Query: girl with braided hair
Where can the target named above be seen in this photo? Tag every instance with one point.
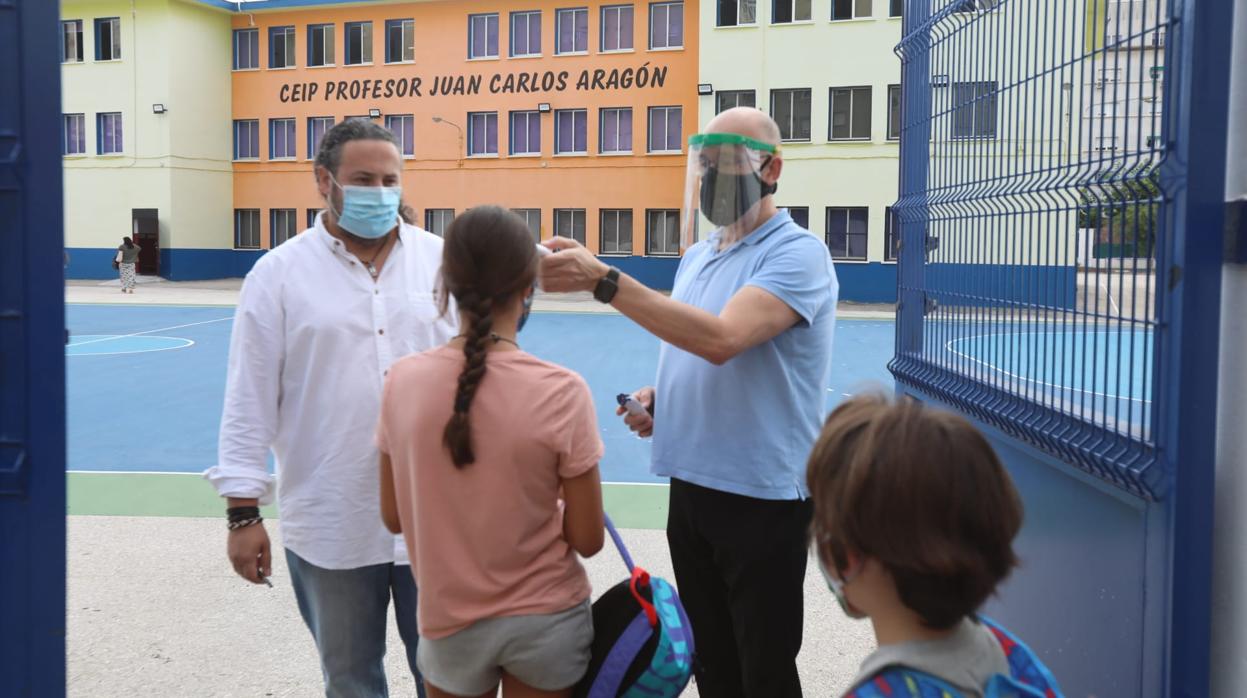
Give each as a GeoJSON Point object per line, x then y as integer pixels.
{"type": "Point", "coordinates": [489, 468]}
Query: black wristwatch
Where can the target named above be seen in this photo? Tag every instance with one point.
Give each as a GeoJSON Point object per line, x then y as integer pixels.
{"type": "Point", "coordinates": [606, 289]}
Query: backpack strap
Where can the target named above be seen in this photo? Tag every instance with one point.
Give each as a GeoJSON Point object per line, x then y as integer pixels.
{"type": "Point", "coordinates": [620, 658]}
{"type": "Point", "coordinates": [903, 682]}
{"type": "Point", "coordinates": [619, 544]}
{"type": "Point", "coordinates": [1028, 675]}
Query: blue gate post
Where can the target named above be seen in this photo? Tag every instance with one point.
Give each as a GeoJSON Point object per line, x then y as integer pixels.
{"type": "Point", "coordinates": [32, 355]}
{"type": "Point", "coordinates": [1189, 410]}
{"type": "Point", "coordinates": [911, 210]}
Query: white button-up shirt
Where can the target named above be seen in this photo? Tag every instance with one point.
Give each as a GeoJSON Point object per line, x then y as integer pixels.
{"type": "Point", "coordinates": [314, 336]}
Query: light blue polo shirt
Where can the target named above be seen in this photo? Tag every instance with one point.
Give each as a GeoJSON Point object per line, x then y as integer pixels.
{"type": "Point", "coordinates": [747, 427]}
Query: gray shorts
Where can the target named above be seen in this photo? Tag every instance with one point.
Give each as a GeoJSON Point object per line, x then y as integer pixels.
{"type": "Point", "coordinates": [548, 652]}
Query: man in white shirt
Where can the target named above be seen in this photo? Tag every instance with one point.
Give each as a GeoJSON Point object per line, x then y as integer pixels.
{"type": "Point", "coordinates": [319, 321]}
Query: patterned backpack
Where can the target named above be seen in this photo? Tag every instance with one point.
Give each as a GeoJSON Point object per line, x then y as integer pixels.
{"type": "Point", "coordinates": [1028, 677]}
{"type": "Point", "coordinates": [642, 640]}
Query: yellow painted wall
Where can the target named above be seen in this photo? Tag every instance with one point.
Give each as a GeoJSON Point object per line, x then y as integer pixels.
{"type": "Point", "coordinates": [819, 54]}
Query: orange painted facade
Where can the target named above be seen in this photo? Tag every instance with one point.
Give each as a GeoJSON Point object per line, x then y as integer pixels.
{"type": "Point", "coordinates": [440, 174]}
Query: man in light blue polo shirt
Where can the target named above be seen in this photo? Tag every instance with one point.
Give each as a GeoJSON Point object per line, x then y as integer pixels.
{"type": "Point", "coordinates": [737, 405]}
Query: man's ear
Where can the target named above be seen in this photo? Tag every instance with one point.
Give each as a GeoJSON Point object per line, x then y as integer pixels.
{"type": "Point", "coordinates": [323, 183]}
{"type": "Point", "coordinates": [770, 173]}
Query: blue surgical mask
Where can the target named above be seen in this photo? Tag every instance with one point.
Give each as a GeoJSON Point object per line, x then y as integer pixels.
{"type": "Point", "coordinates": [528, 307]}
{"type": "Point", "coordinates": [837, 589]}
{"type": "Point", "coordinates": [368, 212]}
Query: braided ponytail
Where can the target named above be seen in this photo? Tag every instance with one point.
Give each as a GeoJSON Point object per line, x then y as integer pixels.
{"type": "Point", "coordinates": [488, 257]}
{"type": "Point", "coordinates": [457, 437]}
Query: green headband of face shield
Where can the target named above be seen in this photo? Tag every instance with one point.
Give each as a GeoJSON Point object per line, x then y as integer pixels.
{"type": "Point", "coordinates": [702, 140]}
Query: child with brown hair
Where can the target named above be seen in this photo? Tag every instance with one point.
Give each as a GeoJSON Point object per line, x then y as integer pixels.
{"type": "Point", "coordinates": [478, 442]}
{"type": "Point", "coordinates": [914, 519]}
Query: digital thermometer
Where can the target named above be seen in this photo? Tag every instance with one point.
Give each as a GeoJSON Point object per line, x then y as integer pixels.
{"type": "Point", "coordinates": [631, 404]}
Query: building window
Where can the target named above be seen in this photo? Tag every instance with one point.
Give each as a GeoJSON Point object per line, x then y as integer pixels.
{"type": "Point", "coordinates": [525, 133]}
{"type": "Point", "coordinates": [800, 215]}
{"type": "Point", "coordinates": [787, 11]}
{"type": "Point", "coordinates": [571, 31]}
{"type": "Point", "coordinates": [320, 45]}
{"type": "Point", "coordinates": [617, 29]}
{"type": "Point", "coordinates": [246, 228]}
{"type": "Point", "coordinates": [246, 49]}
{"type": "Point", "coordinates": [791, 110]}
{"type": "Point", "coordinates": [437, 220]}
{"type": "Point", "coordinates": [571, 132]}
{"type": "Point", "coordinates": [358, 43]}
{"type": "Point", "coordinates": [665, 128]}
{"type": "Point", "coordinates": [894, 112]}
{"type": "Point", "coordinates": [666, 25]}
{"type": "Point", "coordinates": [281, 139]}
{"type": "Point", "coordinates": [850, 114]}
{"type": "Point", "coordinates": [846, 232]}
{"type": "Point", "coordinates": [400, 40]}
{"type": "Point", "coordinates": [525, 34]}
{"type": "Point", "coordinates": [483, 133]}
{"type": "Point", "coordinates": [616, 231]}
{"type": "Point", "coordinates": [317, 127]}
{"type": "Point", "coordinates": [74, 134]}
{"type": "Point", "coordinates": [662, 232]}
{"type": "Point", "coordinates": [615, 131]}
{"type": "Point", "coordinates": [283, 225]}
{"type": "Point", "coordinates": [281, 47]}
{"type": "Point", "coordinates": [896, 8]}
{"type": "Point", "coordinates": [108, 39]}
{"type": "Point", "coordinates": [403, 126]}
{"type": "Point", "coordinates": [891, 233]}
{"type": "Point", "coordinates": [532, 218]}
{"type": "Point", "coordinates": [850, 9]}
{"type": "Point", "coordinates": [483, 36]}
{"type": "Point", "coordinates": [312, 213]}
{"type": "Point", "coordinates": [974, 109]}
{"type": "Point", "coordinates": [247, 139]}
{"type": "Point", "coordinates": [108, 133]}
{"type": "Point", "coordinates": [570, 223]}
{"type": "Point", "coordinates": [735, 13]}
{"type": "Point", "coordinates": [728, 99]}
{"type": "Point", "coordinates": [975, 5]}
{"type": "Point", "coordinates": [71, 41]}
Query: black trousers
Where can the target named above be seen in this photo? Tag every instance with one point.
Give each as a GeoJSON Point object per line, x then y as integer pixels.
{"type": "Point", "coordinates": [740, 568]}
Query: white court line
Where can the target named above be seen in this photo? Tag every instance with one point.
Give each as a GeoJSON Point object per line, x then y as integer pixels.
{"type": "Point", "coordinates": [158, 472]}
{"type": "Point", "coordinates": [109, 338]}
{"type": "Point", "coordinates": [189, 343]}
{"type": "Point", "coordinates": [949, 347]}
{"type": "Point", "coordinates": [1112, 302]}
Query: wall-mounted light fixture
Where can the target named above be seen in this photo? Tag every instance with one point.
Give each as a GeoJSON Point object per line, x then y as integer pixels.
{"type": "Point", "coordinates": [544, 107]}
{"type": "Point", "coordinates": [374, 113]}
{"type": "Point", "coordinates": [159, 109]}
{"type": "Point", "coordinates": [705, 88]}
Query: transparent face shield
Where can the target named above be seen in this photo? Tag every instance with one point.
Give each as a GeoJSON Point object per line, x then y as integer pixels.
{"type": "Point", "coordinates": [724, 183]}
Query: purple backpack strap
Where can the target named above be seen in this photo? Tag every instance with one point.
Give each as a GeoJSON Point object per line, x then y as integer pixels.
{"type": "Point", "coordinates": [619, 544]}
{"type": "Point", "coordinates": [621, 656]}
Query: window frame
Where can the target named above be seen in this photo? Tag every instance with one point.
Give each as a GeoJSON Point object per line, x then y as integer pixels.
{"type": "Point", "coordinates": [896, 8]}
{"type": "Point", "coordinates": [114, 35]}
{"type": "Point", "coordinates": [718, 99]}
{"type": "Point", "coordinates": [366, 46]}
{"type": "Point", "coordinates": [668, 5]}
{"type": "Point", "coordinates": [528, 16]}
{"type": "Point", "coordinates": [238, 213]}
{"type": "Point", "coordinates": [718, 14]}
{"type": "Point", "coordinates": [289, 45]}
{"type": "Point", "coordinates": [617, 250]}
{"type": "Point", "coordinates": [792, 5]}
{"type": "Point", "coordinates": [329, 53]}
{"type": "Point", "coordinates": [292, 146]}
{"type": "Point", "coordinates": [792, 92]}
{"type": "Point", "coordinates": [559, 114]}
{"type": "Point", "coordinates": [853, 7]}
{"type": "Point", "coordinates": [558, 31]}
{"type": "Point", "coordinates": [806, 209]}
{"type": "Point", "coordinates": [81, 142]}
{"type": "Point", "coordinates": [891, 233]}
{"type": "Point", "coordinates": [312, 213]}
{"type": "Point", "coordinates": [407, 34]}
{"type": "Point", "coordinates": [486, 16]}
{"type": "Point", "coordinates": [631, 48]}
{"type": "Point", "coordinates": [78, 37]}
{"type": "Point", "coordinates": [525, 213]}
{"type": "Point", "coordinates": [403, 145]}
{"type": "Point", "coordinates": [253, 33]}
{"type": "Point", "coordinates": [853, 96]}
{"type": "Point", "coordinates": [313, 121]}
{"type": "Point", "coordinates": [602, 118]}
{"type": "Point", "coordinates": [584, 224]}
{"type": "Point", "coordinates": [439, 213]}
{"type": "Point", "coordinates": [972, 106]}
{"type": "Point", "coordinates": [897, 112]}
{"type": "Point", "coordinates": [100, 130]}
{"type": "Point", "coordinates": [486, 153]}
{"type": "Point", "coordinates": [291, 216]}
{"type": "Point", "coordinates": [649, 130]}
{"type": "Point", "coordinates": [529, 115]}
{"type": "Point", "coordinates": [255, 142]}
{"type": "Point", "coordinates": [649, 231]}
{"type": "Point", "coordinates": [848, 213]}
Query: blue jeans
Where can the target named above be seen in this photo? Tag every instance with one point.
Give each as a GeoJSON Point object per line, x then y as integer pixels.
{"type": "Point", "coordinates": [346, 612]}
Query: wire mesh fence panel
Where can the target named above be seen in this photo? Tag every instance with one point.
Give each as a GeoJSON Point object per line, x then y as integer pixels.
{"type": "Point", "coordinates": [1034, 214]}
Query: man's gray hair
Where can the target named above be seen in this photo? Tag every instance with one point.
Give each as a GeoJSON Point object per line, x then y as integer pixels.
{"type": "Point", "coordinates": [329, 156]}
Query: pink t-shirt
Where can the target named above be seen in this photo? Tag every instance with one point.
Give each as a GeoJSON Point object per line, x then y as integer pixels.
{"type": "Point", "coordinates": [487, 540]}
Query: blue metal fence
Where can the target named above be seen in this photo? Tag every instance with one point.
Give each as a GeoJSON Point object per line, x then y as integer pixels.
{"type": "Point", "coordinates": [1058, 273]}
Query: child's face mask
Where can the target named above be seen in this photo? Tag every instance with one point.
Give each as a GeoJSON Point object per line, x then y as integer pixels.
{"type": "Point", "coordinates": [837, 587]}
